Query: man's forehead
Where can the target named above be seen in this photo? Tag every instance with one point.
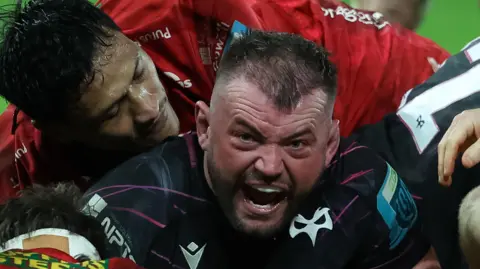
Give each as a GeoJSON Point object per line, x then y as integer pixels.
{"type": "Point", "coordinates": [113, 66]}
{"type": "Point", "coordinates": [241, 105]}
{"type": "Point", "coordinates": [242, 92]}
{"type": "Point", "coordinates": [111, 60]}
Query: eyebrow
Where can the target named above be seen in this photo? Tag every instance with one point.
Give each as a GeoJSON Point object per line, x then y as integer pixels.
{"type": "Point", "coordinates": [301, 132]}
{"type": "Point", "coordinates": [113, 104]}
{"type": "Point", "coordinates": [256, 132]}
{"type": "Point", "coordinates": [247, 125]}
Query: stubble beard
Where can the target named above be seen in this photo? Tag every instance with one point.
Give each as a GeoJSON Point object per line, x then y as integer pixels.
{"type": "Point", "coordinates": [225, 195]}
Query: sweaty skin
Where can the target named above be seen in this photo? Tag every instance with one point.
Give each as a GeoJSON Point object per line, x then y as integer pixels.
{"type": "Point", "coordinates": [125, 107]}
{"type": "Point", "coordinates": [254, 149]}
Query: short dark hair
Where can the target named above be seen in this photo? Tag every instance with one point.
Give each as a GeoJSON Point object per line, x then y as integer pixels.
{"type": "Point", "coordinates": [285, 66]}
{"type": "Point", "coordinates": [40, 207]}
{"type": "Point", "coordinates": [47, 52]}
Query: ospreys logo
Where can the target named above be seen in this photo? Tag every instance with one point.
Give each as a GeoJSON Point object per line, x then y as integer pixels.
{"type": "Point", "coordinates": [313, 225]}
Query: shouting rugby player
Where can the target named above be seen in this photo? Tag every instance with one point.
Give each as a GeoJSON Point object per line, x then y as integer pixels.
{"type": "Point", "coordinates": [87, 101]}
{"type": "Point", "coordinates": [266, 181]}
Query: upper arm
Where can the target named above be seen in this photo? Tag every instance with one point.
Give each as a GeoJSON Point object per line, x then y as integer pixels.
{"type": "Point", "coordinates": [384, 193]}
{"type": "Point", "coordinates": [393, 237]}
{"type": "Point", "coordinates": [132, 203]}
{"type": "Point", "coordinates": [395, 206]}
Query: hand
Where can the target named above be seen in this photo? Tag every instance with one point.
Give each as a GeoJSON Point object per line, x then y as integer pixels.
{"type": "Point", "coordinates": [462, 136]}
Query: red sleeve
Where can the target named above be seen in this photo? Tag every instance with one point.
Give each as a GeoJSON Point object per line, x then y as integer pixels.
{"type": "Point", "coordinates": [26, 159]}
{"type": "Point", "coordinates": [14, 150]}
{"type": "Point", "coordinates": [377, 62]}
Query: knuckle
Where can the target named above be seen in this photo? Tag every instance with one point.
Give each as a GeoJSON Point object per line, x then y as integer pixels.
{"type": "Point", "coordinates": [459, 117]}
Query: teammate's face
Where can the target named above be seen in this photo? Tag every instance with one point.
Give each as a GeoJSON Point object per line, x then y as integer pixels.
{"type": "Point", "coordinates": [262, 162]}
{"type": "Point", "coordinates": [125, 107]}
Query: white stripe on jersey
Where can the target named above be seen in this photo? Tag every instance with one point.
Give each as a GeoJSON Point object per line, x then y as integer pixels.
{"type": "Point", "coordinates": [473, 53]}
{"type": "Point", "coordinates": [471, 43]}
{"type": "Point", "coordinates": [417, 114]}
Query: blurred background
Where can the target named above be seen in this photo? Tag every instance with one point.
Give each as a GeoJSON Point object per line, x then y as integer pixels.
{"type": "Point", "coordinates": [450, 23]}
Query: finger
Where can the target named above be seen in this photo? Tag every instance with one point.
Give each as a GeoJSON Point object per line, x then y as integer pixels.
{"type": "Point", "coordinates": [471, 157]}
{"type": "Point", "coordinates": [459, 134]}
{"type": "Point", "coordinates": [444, 178]}
{"type": "Point", "coordinates": [446, 181]}
{"type": "Point", "coordinates": [441, 149]}
{"type": "Point", "coordinates": [451, 151]}
{"type": "Point", "coordinates": [441, 155]}
{"type": "Point", "coordinates": [442, 145]}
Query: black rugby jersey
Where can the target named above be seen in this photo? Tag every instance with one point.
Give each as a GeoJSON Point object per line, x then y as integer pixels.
{"type": "Point", "coordinates": [158, 210]}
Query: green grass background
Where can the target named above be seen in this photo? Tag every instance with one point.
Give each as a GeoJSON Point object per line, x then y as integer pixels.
{"type": "Point", "coordinates": [450, 23]}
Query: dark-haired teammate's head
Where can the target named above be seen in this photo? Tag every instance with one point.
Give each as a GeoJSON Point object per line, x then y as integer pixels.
{"type": "Point", "coordinates": [67, 65]}
{"type": "Point", "coordinates": [51, 217]}
{"type": "Point", "coordinates": [268, 134]}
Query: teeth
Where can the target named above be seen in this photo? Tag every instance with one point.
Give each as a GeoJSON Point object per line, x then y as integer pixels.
{"type": "Point", "coordinates": [268, 206]}
{"type": "Point", "coordinates": [267, 189]}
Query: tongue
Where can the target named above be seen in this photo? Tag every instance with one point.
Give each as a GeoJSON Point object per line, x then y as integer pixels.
{"type": "Point", "coordinates": [261, 198]}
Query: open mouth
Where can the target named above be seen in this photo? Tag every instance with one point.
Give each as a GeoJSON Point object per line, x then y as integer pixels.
{"type": "Point", "coordinates": [264, 198]}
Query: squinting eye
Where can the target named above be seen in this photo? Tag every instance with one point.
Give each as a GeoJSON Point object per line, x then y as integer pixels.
{"type": "Point", "coordinates": [139, 74]}
{"type": "Point", "coordinates": [246, 137]}
{"type": "Point", "coordinates": [297, 144]}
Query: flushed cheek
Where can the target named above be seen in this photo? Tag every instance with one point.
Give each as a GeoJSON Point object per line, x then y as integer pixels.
{"type": "Point", "coordinates": [232, 161]}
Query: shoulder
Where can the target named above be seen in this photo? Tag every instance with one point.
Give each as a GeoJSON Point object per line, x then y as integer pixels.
{"type": "Point", "coordinates": [138, 199]}
{"type": "Point", "coordinates": [7, 137]}
{"type": "Point", "coordinates": [360, 171]}
{"type": "Point", "coordinates": [357, 166]}
{"type": "Point", "coordinates": [170, 160]}
{"type": "Point", "coordinates": [115, 9]}
{"type": "Point", "coordinates": [20, 145]}
{"type": "Point", "coordinates": [17, 124]}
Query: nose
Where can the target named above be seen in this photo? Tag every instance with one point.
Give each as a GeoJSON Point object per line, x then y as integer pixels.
{"type": "Point", "coordinates": [270, 164]}
{"type": "Point", "coordinates": [144, 106]}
